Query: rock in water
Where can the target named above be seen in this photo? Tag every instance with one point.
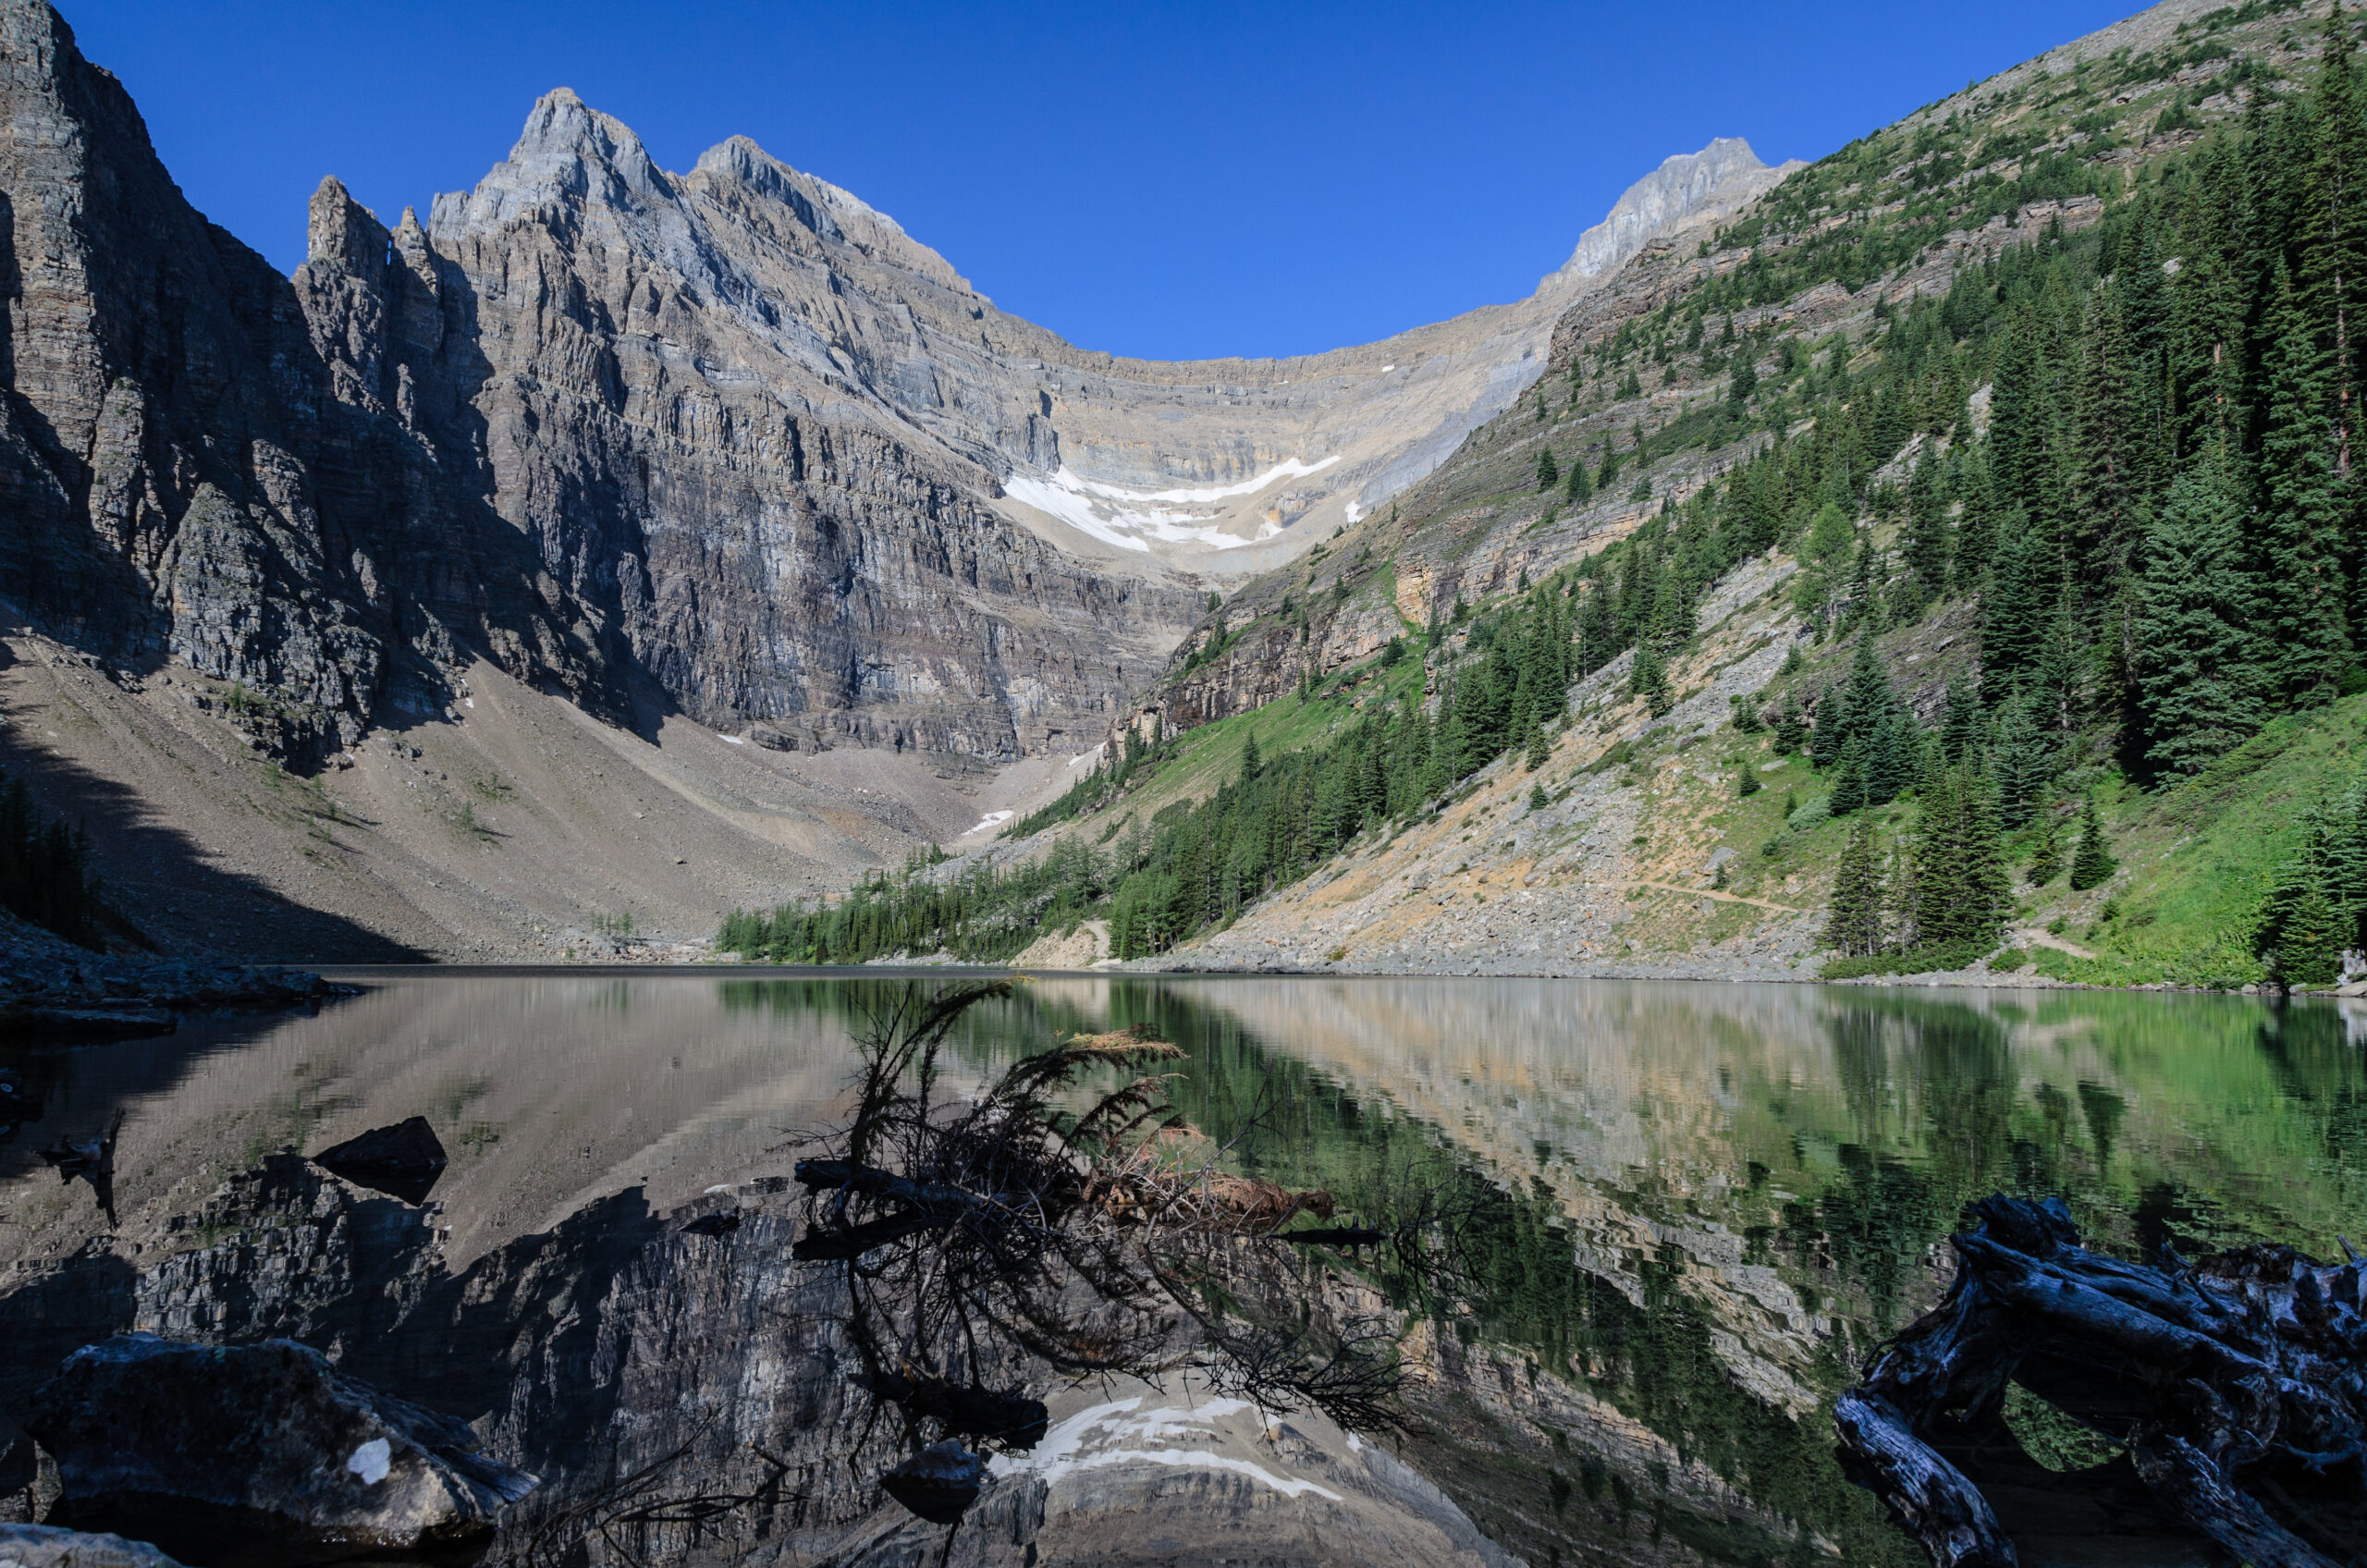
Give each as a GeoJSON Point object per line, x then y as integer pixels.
{"type": "Point", "coordinates": [939, 1483]}
{"type": "Point", "coordinates": [258, 1447]}
{"type": "Point", "coordinates": [402, 1161]}
{"type": "Point", "coordinates": [45, 1545]}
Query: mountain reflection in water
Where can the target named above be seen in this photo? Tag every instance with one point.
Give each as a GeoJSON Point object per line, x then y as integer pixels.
{"type": "Point", "coordinates": [1703, 1203]}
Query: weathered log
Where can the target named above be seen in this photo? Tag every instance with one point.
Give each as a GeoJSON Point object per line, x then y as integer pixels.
{"type": "Point", "coordinates": [1011, 1420]}
{"type": "Point", "coordinates": [873, 1182]}
{"type": "Point", "coordinates": [2237, 1386]}
{"type": "Point", "coordinates": [821, 1245]}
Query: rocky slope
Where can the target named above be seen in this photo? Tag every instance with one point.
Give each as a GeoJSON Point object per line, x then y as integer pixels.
{"type": "Point", "coordinates": [1644, 860]}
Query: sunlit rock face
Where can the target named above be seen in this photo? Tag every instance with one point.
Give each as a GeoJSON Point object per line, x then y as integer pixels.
{"type": "Point", "coordinates": [730, 440]}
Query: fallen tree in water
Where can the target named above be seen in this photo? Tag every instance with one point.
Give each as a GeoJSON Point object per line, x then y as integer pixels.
{"type": "Point", "coordinates": [2236, 1387]}
{"type": "Point", "coordinates": [1038, 1228]}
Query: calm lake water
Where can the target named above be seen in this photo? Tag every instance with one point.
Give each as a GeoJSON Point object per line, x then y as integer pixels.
{"type": "Point", "coordinates": [1696, 1189]}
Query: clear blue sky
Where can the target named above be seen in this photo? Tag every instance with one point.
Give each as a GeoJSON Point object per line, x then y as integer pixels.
{"type": "Point", "coordinates": [1171, 181]}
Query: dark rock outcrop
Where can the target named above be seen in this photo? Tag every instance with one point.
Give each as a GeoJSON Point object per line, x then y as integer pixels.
{"type": "Point", "coordinates": [49, 1546]}
{"type": "Point", "coordinates": [401, 1161]}
{"type": "Point", "coordinates": [267, 1444]}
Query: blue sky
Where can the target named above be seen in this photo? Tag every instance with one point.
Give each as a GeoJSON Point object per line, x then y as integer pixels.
{"type": "Point", "coordinates": [1169, 181]}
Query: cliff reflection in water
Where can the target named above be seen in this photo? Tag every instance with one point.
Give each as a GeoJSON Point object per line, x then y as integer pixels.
{"type": "Point", "coordinates": [1702, 1204]}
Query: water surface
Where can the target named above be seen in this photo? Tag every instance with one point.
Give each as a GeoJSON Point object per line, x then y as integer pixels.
{"type": "Point", "coordinates": [1703, 1202]}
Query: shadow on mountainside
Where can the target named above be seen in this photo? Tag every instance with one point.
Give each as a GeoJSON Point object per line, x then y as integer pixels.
{"type": "Point", "coordinates": [164, 882]}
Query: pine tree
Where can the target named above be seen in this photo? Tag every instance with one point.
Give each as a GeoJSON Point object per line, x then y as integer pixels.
{"type": "Point", "coordinates": [2195, 683]}
{"type": "Point", "coordinates": [2296, 600]}
{"type": "Point", "coordinates": [1849, 778]}
{"type": "Point", "coordinates": [1577, 487]}
{"type": "Point", "coordinates": [1853, 926]}
{"type": "Point", "coordinates": [2046, 857]}
{"type": "Point", "coordinates": [1252, 764]}
{"type": "Point", "coordinates": [1961, 724]}
{"type": "Point", "coordinates": [1745, 380]}
{"type": "Point", "coordinates": [1976, 540]}
{"type": "Point", "coordinates": [2091, 862]}
{"type": "Point", "coordinates": [1791, 725]}
{"type": "Point", "coordinates": [2024, 763]}
{"type": "Point", "coordinates": [1537, 798]}
{"type": "Point", "coordinates": [1831, 727]}
{"type": "Point", "coordinates": [1648, 681]}
{"type": "Point", "coordinates": [1548, 473]}
{"type": "Point", "coordinates": [2013, 624]}
{"type": "Point", "coordinates": [1960, 868]}
{"type": "Point", "coordinates": [1748, 785]}
{"type": "Point", "coordinates": [2308, 949]}
{"type": "Point", "coordinates": [1926, 544]}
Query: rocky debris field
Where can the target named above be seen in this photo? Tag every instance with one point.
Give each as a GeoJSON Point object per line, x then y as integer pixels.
{"type": "Point", "coordinates": [50, 987]}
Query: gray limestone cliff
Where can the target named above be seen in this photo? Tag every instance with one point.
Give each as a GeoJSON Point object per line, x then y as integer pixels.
{"type": "Point", "coordinates": [728, 443]}
{"type": "Point", "coordinates": [1686, 190]}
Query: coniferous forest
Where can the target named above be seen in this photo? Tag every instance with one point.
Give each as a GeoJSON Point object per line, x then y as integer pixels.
{"type": "Point", "coordinates": [2129, 446]}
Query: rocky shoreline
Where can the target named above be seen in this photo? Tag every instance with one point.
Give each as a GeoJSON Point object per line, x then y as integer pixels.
{"type": "Point", "coordinates": [51, 987]}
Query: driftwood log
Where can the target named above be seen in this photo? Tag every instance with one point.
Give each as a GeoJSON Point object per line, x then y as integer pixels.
{"type": "Point", "coordinates": [2235, 1388]}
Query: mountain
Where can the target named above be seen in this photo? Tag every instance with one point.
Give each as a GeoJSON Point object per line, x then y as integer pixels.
{"type": "Point", "coordinates": [1949, 566]}
{"type": "Point", "coordinates": [723, 453]}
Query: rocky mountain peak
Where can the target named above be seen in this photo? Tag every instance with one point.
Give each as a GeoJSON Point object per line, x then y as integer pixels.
{"type": "Point", "coordinates": [1688, 188]}
{"type": "Point", "coordinates": [569, 152]}
{"type": "Point", "coordinates": [343, 233]}
{"type": "Point", "coordinates": [831, 213]}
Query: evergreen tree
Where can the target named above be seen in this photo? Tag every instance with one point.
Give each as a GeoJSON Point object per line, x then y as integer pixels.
{"type": "Point", "coordinates": [2013, 609]}
{"type": "Point", "coordinates": [1853, 926]}
{"type": "Point", "coordinates": [1849, 778]}
{"type": "Point", "coordinates": [1926, 544]}
{"type": "Point", "coordinates": [2024, 763]}
{"type": "Point", "coordinates": [2296, 600]}
{"type": "Point", "coordinates": [2195, 689]}
{"type": "Point", "coordinates": [2046, 857]}
{"type": "Point", "coordinates": [1537, 798]}
{"type": "Point", "coordinates": [1963, 891]}
{"type": "Point", "coordinates": [1976, 540]}
{"type": "Point", "coordinates": [1745, 382]}
{"type": "Point", "coordinates": [2308, 948]}
{"type": "Point", "coordinates": [1577, 487]}
{"type": "Point", "coordinates": [1961, 724]}
{"type": "Point", "coordinates": [2091, 862]}
{"type": "Point", "coordinates": [1748, 785]}
{"type": "Point", "coordinates": [1791, 725]}
{"type": "Point", "coordinates": [1648, 681]}
{"type": "Point", "coordinates": [1831, 727]}
{"type": "Point", "coordinates": [1548, 473]}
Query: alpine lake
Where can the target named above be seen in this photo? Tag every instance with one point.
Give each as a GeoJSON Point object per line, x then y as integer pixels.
{"type": "Point", "coordinates": [1704, 1204]}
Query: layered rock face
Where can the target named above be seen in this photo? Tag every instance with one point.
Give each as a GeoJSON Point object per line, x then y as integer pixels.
{"type": "Point", "coordinates": [729, 441]}
{"type": "Point", "coordinates": [179, 477]}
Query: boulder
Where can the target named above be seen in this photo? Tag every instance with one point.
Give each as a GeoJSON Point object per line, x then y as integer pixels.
{"type": "Point", "coordinates": [46, 1546]}
{"type": "Point", "coordinates": [939, 1483]}
{"type": "Point", "coordinates": [262, 1446]}
{"type": "Point", "coordinates": [402, 1161]}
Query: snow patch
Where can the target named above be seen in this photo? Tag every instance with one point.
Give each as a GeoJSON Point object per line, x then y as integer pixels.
{"type": "Point", "coordinates": [1120, 1438]}
{"type": "Point", "coordinates": [1132, 519]}
{"type": "Point", "coordinates": [1386, 368]}
{"type": "Point", "coordinates": [992, 819]}
{"type": "Point", "coordinates": [732, 740]}
{"type": "Point", "coordinates": [1356, 512]}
